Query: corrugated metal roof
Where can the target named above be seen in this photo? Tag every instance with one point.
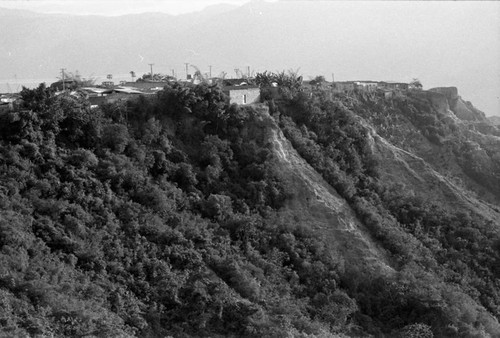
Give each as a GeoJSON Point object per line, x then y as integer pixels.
{"type": "Point", "coordinates": [98, 90]}
{"type": "Point", "coordinates": [128, 90]}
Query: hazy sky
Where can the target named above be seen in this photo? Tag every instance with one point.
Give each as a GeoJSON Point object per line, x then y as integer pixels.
{"type": "Point", "coordinates": [449, 43]}
{"type": "Point", "coordinates": [114, 7]}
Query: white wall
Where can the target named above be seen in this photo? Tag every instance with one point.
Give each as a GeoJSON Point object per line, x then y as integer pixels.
{"type": "Point", "coordinates": [237, 96]}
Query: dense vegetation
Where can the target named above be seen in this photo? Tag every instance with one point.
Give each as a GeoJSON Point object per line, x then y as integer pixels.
{"type": "Point", "coordinates": [158, 217]}
{"type": "Point", "coordinates": [412, 120]}
{"type": "Point", "coordinates": [459, 247]}
{"type": "Point", "coordinates": [151, 219]}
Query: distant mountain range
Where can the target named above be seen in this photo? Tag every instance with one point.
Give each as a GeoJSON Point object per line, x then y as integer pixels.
{"type": "Point", "coordinates": [372, 41]}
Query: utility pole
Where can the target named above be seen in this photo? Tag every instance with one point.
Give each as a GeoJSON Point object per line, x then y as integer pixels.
{"type": "Point", "coordinates": [187, 70]}
{"type": "Point", "coordinates": [173, 72]}
{"type": "Point", "coordinates": [62, 71]}
{"type": "Point", "coordinates": [248, 71]}
{"type": "Point", "coordinates": [151, 65]}
{"type": "Point", "coordinates": [333, 77]}
{"type": "Point", "coordinates": [210, 73]}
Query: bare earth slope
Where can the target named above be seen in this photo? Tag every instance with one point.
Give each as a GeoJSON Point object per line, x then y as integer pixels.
{"type": "Point", "coordinates": [317, 204]}
{"type": "Point", "coordinates": [412, 172]}
{"type": "Point", "coordinates": [444, 148]}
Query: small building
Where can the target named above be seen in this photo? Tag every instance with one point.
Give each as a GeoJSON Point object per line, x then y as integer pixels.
{"type": "Point", "coordinates": [393, 85]}
{"type": "Point", "coordinates": [121, 96]}
{"type": "Point", "coordinates": [367, 86]}
{"type": "Point", "coordinates": [343, 87]}
{"type": "Point", "coordinates": [98, 96]}
{"type": "Point", "coordinates": [97, 91]}
{"type": "Point", "coordinates": [245, 94]}
{"type": "Point", "coordinates": [388, 94]}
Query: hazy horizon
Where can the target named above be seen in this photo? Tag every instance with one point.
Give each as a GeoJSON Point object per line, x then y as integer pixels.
{"type": "Point", "coordinates": [110, 8]}
{"type": "Point", "coordinates": [441, 43]}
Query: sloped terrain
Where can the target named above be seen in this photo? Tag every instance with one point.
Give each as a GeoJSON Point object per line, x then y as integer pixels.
{"type": "Point", "coordinates": [183, 216]}
{"type": "Point", "coordinates": [318, 205]}
{"type": "Point", "coordinates": [417, 211]}
{"type": "Point", "coordinates": [450, 135]}
{"type": "Point", "coordinates": [415, 174]}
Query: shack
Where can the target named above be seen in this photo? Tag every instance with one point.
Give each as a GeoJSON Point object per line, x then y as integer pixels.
{"type": "Point", "coordinates": [244, 94]}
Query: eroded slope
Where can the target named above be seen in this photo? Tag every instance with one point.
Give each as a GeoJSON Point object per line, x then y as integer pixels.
{"type": "Point", "coordinates": [318, 205]}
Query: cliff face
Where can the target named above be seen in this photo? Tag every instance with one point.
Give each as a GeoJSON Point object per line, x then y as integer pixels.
{"type": "Point", "coordinates": [463, 110]}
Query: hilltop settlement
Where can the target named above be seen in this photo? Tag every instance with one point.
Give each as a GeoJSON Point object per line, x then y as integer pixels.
{"type": "Point", "coordinates": [259, 206]}
{"type": "Point", "coordinates": [241, 91]}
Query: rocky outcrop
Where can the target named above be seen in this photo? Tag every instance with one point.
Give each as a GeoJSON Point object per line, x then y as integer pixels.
{"type": "Point", "coordinates": [464, 110]}
{"type": "Point", "coordinates": [451, 93]}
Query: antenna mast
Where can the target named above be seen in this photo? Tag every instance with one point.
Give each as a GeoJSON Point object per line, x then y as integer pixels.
{"type": "Point", "coordinates": [151, 65]}
{"type": "Point", "coordinates": [62, 71]}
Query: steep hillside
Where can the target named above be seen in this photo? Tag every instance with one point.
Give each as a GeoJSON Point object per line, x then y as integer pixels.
{"type": "Point", "coordinates": [495, 120]}
{"type": "Point", "coordinates": [180, 215]}
{"type": "Point", "coordinates": [155, 219]}
{"type": "Point", "coordinates": [422, 217]}
{"type": "Point", "coordinates": [415, 174]}
{"type": "Point", "coordinates": [450, 135]}
{"type": "Point", "coordinates": [318, 205]}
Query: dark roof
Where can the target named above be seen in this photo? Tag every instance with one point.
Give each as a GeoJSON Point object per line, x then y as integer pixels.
{"type": "Point", "coordinates": [227, 88]}
{"type": "Point", "coordinates": [146, 85]}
